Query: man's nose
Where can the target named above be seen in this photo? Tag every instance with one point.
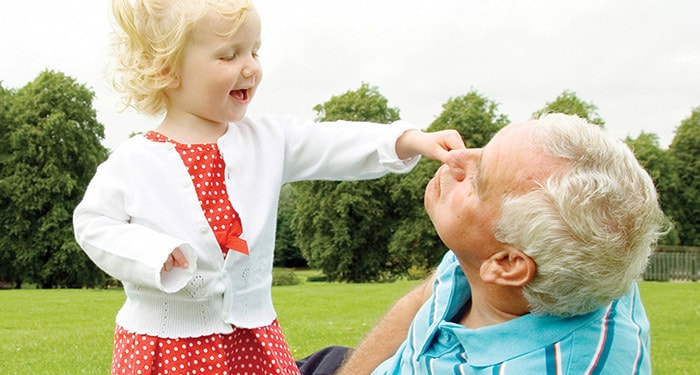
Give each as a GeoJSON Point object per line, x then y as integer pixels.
{"type": "Point", "coordinates": [460, 161]}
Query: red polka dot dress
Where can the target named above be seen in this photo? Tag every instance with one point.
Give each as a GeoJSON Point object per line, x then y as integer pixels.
{"type": "Point", "coordinates": [259, 351]}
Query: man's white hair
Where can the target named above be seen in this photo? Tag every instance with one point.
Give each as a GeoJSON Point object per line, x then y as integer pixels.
{"type": "Point", "coordinates": [590, 228]}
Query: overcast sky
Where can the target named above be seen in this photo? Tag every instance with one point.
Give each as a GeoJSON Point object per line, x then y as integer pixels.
{"type": "Point", "coordinates": [637, 60]}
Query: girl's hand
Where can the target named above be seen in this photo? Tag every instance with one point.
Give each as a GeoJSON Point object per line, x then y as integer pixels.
{"type": "Point", "coordinates": [175, 259]}
{"type": "Point", "coordinates": [434, 145]}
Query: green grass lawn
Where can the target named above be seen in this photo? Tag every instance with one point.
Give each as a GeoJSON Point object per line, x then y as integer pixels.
{"type": "Point", "coordinates": [674, 313]}
{"type": "Point", "coordinates": [70, 331]}
{"type": "Point", "coordinates": [57, 331]}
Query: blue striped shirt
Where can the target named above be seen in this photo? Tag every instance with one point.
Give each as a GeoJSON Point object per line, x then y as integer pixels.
{"type": "Point", "coordinates": [611, 340]}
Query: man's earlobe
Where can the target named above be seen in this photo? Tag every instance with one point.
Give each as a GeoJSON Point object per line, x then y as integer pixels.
{"type": "Point", "coordinates": [508, 267]}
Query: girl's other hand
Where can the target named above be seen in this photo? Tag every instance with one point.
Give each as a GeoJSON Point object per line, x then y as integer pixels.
{"type": "Point", "coordinates": [175, 259]}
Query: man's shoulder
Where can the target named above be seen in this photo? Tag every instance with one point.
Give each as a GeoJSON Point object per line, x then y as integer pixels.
{"type": "Point", "coordinates": [616, 340]}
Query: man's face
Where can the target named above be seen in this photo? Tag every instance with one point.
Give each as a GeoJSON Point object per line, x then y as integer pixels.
{"type": "Point", "coordinates": [464, 198]}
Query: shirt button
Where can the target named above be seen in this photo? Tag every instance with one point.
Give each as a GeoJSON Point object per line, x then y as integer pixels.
{"type": "Point", "coordinates": [203, 230]}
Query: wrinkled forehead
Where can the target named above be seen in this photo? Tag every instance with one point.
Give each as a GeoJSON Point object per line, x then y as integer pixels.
{"type": "Point", "coordinates": [513, 164]}
{"type": "Point", "coordinates": [521, 128]}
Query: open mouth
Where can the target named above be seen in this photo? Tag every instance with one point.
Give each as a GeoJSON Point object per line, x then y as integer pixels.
{"type": "Point", "coordinates": [240, 95]}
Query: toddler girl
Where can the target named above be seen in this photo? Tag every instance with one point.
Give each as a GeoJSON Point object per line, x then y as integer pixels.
{"type": "Point", "coordinates": [185, 215]}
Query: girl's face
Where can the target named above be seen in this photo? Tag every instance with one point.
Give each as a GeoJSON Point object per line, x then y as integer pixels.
{"type": "Point", "coordinates": [219, 74]}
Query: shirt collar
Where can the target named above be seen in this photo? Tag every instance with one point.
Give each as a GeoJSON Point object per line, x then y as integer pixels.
{"type": "Point", "coordinates": [498, 343]}
{"type": "Point", "coordinates": [493, 344]}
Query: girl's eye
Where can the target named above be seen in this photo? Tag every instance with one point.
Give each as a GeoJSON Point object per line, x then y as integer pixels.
{"type": "Point", "coordinates": [234, 55]}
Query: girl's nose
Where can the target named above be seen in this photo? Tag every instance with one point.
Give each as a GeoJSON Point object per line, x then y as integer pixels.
{"type": "Point", "coordinates": [252, 68]}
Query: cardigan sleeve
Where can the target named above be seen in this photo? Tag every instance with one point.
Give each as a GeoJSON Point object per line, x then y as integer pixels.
{"type": "Point", "coordinates": [344, 150]}
{"type": "Point", "coordinates": [128, 251]}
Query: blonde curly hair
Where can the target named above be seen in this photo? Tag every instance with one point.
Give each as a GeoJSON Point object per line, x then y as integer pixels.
{"type": "Point", "coordinates": [150, 40]}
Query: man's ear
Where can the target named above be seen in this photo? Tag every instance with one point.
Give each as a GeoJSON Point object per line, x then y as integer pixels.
{"type": "Point", "coordinates": [508, 267]}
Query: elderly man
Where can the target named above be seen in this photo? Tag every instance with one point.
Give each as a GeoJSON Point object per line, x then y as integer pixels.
{"type": "Point", "coordinates": [549, 226]}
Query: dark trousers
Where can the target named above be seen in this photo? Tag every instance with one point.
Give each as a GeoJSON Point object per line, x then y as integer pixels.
{"type": "Point", "coordinates": [323, 362]}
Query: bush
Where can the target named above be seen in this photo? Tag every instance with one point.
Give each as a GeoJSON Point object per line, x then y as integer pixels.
{"type": "Point", "coordinates": [284, 276]}
{"type": "Point", "coordinates": [318, 278]}
{"type": "Point", "coordinates": [418, 273]}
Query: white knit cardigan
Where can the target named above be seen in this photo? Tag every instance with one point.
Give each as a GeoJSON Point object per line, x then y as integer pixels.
{"type": "Point", "coordinates": [141, 204]}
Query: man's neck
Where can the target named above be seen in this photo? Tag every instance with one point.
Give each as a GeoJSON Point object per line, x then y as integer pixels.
{"type": "Point", "coordinates": [492, 304]}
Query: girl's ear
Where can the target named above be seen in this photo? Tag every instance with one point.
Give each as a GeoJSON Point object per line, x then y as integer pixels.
{"type": "Point", "coordinates": [174, 83]}
{"type": "Point", "coordinates": [174, 79]}
{"type": "Point", "coordinates": [508, 267]}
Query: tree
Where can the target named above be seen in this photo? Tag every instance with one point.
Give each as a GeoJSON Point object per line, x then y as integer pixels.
{"type": "Point", "coordinates": [570, 104]}
{"type": "Point", "coordinates": [343, 227]}
{"type": "Point", "coordinates": [287, 253]}
{"type": "Point", "coordinates": [9, 275]}
{"type": "Point", "coordinates": [5, 126]}
{"type": "Point", "coordinates": [474, 116]}
{"type": "Point", "coordinates": [6, 97]}
{"type": "Point", "coordinates": [363, 104]}
{"type": "Point", "coordinates": [53, 150]}
{"type": "Point", "coordinates": [660, 166]}
{"type": "Point", "coordinates": [685, 152]}
{"type": "Point", "coordinates": [415, 241]}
